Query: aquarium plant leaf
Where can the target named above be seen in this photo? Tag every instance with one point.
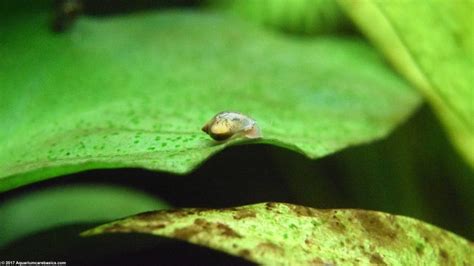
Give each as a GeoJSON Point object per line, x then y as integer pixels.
{"type": "Point", "coordinates": [135, 90]}
{"type": "Point", "coordinates": [36, 211]}
{"type": "Point", "coordinates": [432, 44]}
{"type": "Point", "coordinates": [283, 234]}
{"type": "Point", "coordinates": [294, 16]}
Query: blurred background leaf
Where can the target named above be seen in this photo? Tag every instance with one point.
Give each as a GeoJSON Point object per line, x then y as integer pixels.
{"type": "Point", "coordinates": [135, 90]}
{"type": "Point", "coordinates": [29, 213]}
{"type": "Point", "coordinates": [431, 43]}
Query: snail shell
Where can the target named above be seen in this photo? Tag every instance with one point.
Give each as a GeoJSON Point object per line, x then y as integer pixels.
{"type": "Point", "coordinates": [226, 125]}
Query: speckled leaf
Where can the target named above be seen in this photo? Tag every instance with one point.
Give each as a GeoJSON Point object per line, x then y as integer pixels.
{"type": "Point", "coordinates": [431, 43]}
{"type": "Point", "coordinates": [134, 91]}
{"type": "Point", "coordinates": [285, 234]}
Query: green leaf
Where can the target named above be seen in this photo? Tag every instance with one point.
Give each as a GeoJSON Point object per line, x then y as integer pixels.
{"type": "Point", "coordinates": [134, 91]}
{"type": "Point", "coordinates": [296, 16]}
{"type": "Point", "coordinates": [279, 233]}
{"type": "Point", "coordinates": [432, 44]}
{"type": "Point", "coordinates": [45, 209]}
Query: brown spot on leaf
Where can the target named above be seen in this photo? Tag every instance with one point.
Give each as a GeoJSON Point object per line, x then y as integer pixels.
{"type": "Point", "coordinates": [231, 209]}
{"type": "Point", "coordinates": [152, 215]}
{"type": "Point", "coordinates": [166, 216]}
{"type": "Point", "coordinates": [377, 259]}
{"type": "Point", "coordinates": [444, 258]}
{"type": "Point", "coordinates": [337, 226]}
{"type": "Point", "coordinates": [201, 222]}
{"type": "Point", "coordinates": [179, 213]}
{"type": "Point", "coordinates": [227, 231]}
{"type": "Point", "coordinates": [361, 247]}
{"type": "Point", "coordinates": [155, 223]}
{"type": "Point", "coordinates": [117, 228]}
{"type": "Point", "coordinates": [303, 211]}
{"type": "Point", "coordinates": [245, 253]}
{"type": "Point", "coordinates": [371, 248]}
{"type": "Point", "coordinates": [188, 212]}
{"type": "Point", "coordinates": [330, 217]}
{"type": "Point", "coordinates": [376, 228]}
{"type": "Point", "coordinates": [319, 262]}
{"type": "Point", "coordinates": [242, 214]}
{"type": "Point", "coordinates": [268, 247]}
{"type": "Point", "coordinates": [160, 226]}
{"type": "Point", "coordinates": [130, 226]}
{"type": "Point", "coordinates": [270, 205]}
{"type": "Point", "coordinates": [186, 233]}
{"type": "Point", "coordinates": [427, 239]}
{"type": "Point", "coordinates": [201, 225]}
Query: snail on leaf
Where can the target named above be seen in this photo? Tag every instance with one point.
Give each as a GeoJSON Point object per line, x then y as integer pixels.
{"type": "Point", "coordinates": [227, 125]}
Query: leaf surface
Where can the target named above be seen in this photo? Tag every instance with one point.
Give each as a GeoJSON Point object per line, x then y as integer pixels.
{"type": "Point", "coordinates": [134, 91]}
{"type": "Point", "coordinates": [285, 234]}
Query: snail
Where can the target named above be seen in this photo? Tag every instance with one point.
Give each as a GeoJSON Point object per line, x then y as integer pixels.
{"type": "Point", "coordinates": [227, 125]}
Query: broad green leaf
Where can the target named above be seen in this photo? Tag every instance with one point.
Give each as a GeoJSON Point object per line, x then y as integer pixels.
{"type": "Point", "coordinates": [44, 209]}
{"type": "Point", "coordinates": [285, 234]}
{"type": "Point", "coordinates": [432, 44]}
{"type": "Point", "coordinates": [134, 91]}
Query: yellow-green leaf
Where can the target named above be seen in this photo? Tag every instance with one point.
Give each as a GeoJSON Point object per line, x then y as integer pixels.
{"type": "Point", "coordinates": [432, 44]}
{"type": "Point", "coordinates": [285, 234]}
